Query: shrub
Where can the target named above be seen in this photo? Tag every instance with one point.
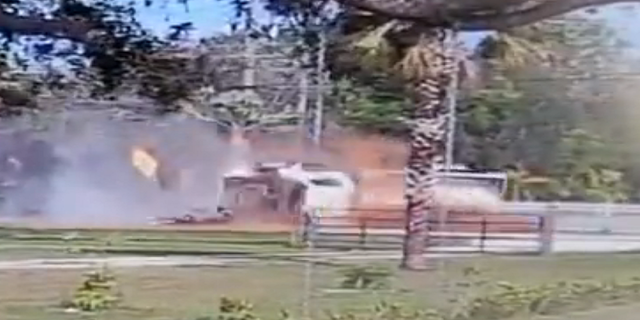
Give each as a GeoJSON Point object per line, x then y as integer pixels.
{"type": "Point", "coordinates": [235, 309]}
{"type": "Point", "coordinates": [365, 277]}
{"type": "Point", "coordinates": [508, 299]}
{"type": "Point", "coordinates": [391, 311]}
{"type": "Point", "coordinates": [96, 293]}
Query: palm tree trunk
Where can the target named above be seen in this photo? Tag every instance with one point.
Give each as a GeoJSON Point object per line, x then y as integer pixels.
{"type": "Point", "coordinates": [427, 149]}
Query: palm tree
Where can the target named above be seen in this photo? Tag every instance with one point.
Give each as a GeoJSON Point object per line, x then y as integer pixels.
{"type": "Point", "coordinates": [431, 64]}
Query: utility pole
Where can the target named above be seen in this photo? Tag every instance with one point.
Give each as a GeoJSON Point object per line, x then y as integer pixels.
{"type": "Point", "coordinates": [452, 93]}
{"type": "Point", "coordinates": [241, 150]}
{"type": "Point", "coordinates": [249, 71]}
{"type": "Point", "coordinates": [451, 124]}
{"type": "Point", "coordinates": [321, 79]}
{"type": "Point", "coordinates": [303, 98]}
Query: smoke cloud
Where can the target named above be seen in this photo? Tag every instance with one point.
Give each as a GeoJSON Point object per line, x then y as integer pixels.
{"type": "Point", "coordinates": [95, 183]}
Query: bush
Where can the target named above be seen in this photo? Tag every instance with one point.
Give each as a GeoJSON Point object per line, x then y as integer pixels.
{"type": "Point", "coordinates": [476, 298]}
{"type": "Point", "coordinates": [509, 300]}
{"type": "Point", "coordinates": [366, 277]}
{"type": "Point", "coordinates": [96, 293]}
{"type": "Point", "coordinates": [391, 311]}
{"type": "Point", "coordinates": [237, 309]}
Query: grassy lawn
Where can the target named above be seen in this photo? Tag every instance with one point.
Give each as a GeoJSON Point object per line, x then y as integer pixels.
{"type": "Point", "coordinates": [626, 312]}
{"type": "Point", "coordinates": [143, 242]}
{"type": "Point", "coordinates": [184, 293]}
{"type": "Point", "coordinates": [141, 233]}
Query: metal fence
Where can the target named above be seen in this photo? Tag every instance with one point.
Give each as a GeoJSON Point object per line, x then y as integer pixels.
{"type": "Point", "coordinates": [498, 233]}
{"type": "Point", "coordinates": [580, 208]}
{"type": "Point", "coordinates": [583, 218]}
{"type": "Point", "coordinates": [521, 227]}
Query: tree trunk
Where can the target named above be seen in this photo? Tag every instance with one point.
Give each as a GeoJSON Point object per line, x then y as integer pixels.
{"type": "Point", "coordinates": [426, 149]}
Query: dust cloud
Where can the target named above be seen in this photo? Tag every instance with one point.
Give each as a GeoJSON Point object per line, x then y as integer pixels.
{"type": "Point", "coordinates": [94, 183]}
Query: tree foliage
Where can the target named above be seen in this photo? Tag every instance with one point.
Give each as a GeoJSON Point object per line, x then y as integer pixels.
{"type": "Point", "coordinates": [558, 137]}
{"type": "Point", "coordinates": [104, 43]}
{"type": "Point", "coordinates": [536, 127]}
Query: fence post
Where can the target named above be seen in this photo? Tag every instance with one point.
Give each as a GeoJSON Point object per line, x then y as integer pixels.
{"type": "Point", "coordinates": [295, 234]}
{"type": "Point", "coordinates": [299, 234]}
{"type": "Point", "coordinates": [606, 218]}
{"type": "Point", "coordinates": [363, 233]}
{"type": "Point", "coordinates": [306, 227]}
{"type": "Point", "coordinates": [546, 230]}
{"type": "Point", "coordinates": [483, 234]}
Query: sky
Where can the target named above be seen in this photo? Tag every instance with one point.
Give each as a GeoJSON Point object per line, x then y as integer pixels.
{"type": "Point", "coordinates": [209, 16]}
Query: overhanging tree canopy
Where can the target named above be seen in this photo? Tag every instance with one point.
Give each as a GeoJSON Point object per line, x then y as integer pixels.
{"type": "Point", "coordinates": [109, 34]}
{"type": "Point", "coordinates": [474, 15]}
{"type": "Point", "coordinates": [90, 22]}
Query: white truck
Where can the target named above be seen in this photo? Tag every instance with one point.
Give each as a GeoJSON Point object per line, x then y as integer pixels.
{"type": "Point", "coordinates": [297, 186]}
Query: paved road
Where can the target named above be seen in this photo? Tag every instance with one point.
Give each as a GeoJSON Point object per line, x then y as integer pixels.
{"type": "Point", "coordinates": [568, 243]}
{"type": "Point", "coordinates": [617, 224]}
{"type": "Point", "coordinates": [136, 261]}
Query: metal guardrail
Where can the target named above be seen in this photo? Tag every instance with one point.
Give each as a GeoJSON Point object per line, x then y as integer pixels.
{"type": "Point", "coordinates": [540, 208]}
{"type": "Point", "coordinates": [604, 224]}
{"type": "Point", "coordinates": [481, 235]}
{"type": "Point", "coordinates": [582, 208]}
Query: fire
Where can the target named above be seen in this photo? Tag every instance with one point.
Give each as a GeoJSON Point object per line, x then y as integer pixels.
{"type": "Point", "coordinates": [161, 171]}
{"type": "Point", "coordinates": [144, 161]}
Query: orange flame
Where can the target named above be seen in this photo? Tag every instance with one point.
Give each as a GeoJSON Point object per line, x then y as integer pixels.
{"type": "Point", "coordinates": [145, 162]}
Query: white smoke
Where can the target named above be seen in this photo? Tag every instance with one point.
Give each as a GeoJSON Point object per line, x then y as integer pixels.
{"type": "Point", "coordinates": [97, 185]}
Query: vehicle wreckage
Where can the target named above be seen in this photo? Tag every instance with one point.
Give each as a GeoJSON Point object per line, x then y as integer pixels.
{"type": "Point", "coordinates": [293, 188]}
{"type": "Point", "coordinates": [289, 189]}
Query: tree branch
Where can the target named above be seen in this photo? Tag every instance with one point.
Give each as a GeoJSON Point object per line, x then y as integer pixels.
{"type": "Point", "coordinates": [396, 9]}
{"type": "Point", "coordinates": [189, 109]}
{"type": "Point", "coordinates": [433, 10]}
{"type": "Point", "coordinates": [74, 30]}
{"type": "Point", "coordinates": [544, 10]}
{"type": "Point", "coordinates": [477, 15]}
{"type": "Point", "coordinates": [471, 15]}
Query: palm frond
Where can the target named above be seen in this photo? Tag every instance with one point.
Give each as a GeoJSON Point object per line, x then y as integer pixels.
{"type": "Point", "coordinates": [419, 60]}
{"type": "Point", "coordinates": [372, 45]}
{"type": "Point", "coordinates": [374, 39]}
{"type": "Point", "coordinates": [409, 49]}
{"type": "Point", "coordinates": [512, 50]}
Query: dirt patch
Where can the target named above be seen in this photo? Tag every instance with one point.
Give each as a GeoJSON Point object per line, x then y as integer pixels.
{"type": "Point", "coordinates": [374, 218]}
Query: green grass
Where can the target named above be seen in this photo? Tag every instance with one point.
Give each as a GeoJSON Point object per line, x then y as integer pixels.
{"type": "Point", "coordinates": [159, 234]}
{"type": "Point", "coordinates": [625, 312]}
{"type": "Point", "coordinates": [163, 293]}
{"type": "Point", "coordinates": [163, 231]}
{"type": "Point", "coordinates": [146, 242]}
